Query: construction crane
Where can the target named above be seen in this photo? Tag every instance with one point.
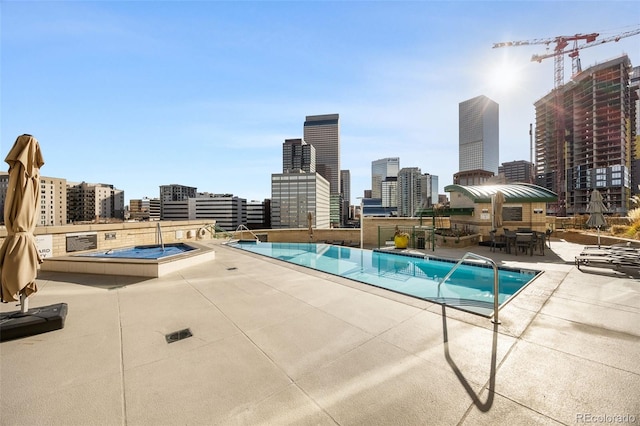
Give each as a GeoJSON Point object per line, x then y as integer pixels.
{"type": "Point", "coordinates": [560, 50]}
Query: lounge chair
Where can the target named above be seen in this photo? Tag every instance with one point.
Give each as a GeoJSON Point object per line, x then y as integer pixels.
{"type": "Point", "coordinates": [619, 257]}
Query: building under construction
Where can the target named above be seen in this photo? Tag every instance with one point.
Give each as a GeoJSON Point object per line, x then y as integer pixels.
{"type": "Point", "coordinates": [585, 137]}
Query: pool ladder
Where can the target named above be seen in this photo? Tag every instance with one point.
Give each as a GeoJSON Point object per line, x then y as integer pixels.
{"type": "Point", "coordinates": [496, 285]}
{"type": "Point", "coordinates": [159, 240]}
{"type": "Point", "coordinates": [242, 229]}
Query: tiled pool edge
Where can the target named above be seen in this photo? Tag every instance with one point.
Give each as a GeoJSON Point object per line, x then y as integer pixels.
{"type": "Point", "coordinates": [151, 268]}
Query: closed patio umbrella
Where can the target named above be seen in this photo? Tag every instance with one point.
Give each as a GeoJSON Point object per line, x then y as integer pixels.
{"type": "Point", "coordinates": [498, 203]}
{"type": "Point", "coordinates": [596, 208]}
{"type": "Point", "coordinates": [19, 257]}
{"type": "Point", "coordinates": [310, 224]}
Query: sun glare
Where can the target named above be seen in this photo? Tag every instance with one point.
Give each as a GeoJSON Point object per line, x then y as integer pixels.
{"type": "Point", "coordinates": [504, 76]}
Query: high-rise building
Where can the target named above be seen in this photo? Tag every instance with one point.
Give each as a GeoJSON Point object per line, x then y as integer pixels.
{"type": "Point", "coordinates": [345, 192]}
{"type": "Point", "coordinates": [635, 150]}
{"type": "Point", "coordinates": [175, 192]}
{"type": "Point", "coordinates": [297, 155]}
{"type": "Point", "coordinates": [389, 195]}
{"type": "Point", "coordinates": [478, 135]}
{"type": "Point", "coordinates": [296, 192]}
{"type": "Point", "coordinates": [294, 196]}
{"type": "Point", "coordinates": [88, 202]}
{"type": "Point", "coordinates": [584, 138]}
{"type": "Point", "coordinates": [139, 209]}
{"type": "Point", "coordinates": [323, 132]}
{"type": "Point", "coordinates": [259, 214]}
{"type": "Point", "coordinates": [415, 191]}
{"type": "Point", "coordinates": [53, 200]}
{"type": "Point", "coordinates": [381, 170]}
{"type": "Point", "coordinates": [409, 191]}
{"type": "Point", "coordinates": [227, 210]}
{"type": "Point", "coordinates": [428, 191]}
{"type": "Point", "coordinates": [517, 171]}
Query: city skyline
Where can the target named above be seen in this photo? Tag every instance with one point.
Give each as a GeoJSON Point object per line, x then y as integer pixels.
{"type": "Point", "coordinates": [203, 94]}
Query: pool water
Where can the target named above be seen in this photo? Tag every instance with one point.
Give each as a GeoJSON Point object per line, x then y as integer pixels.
{"type": "Point", "coordinates": [142, 252]}
{"type": "Point", "coordinates": [470, 287]}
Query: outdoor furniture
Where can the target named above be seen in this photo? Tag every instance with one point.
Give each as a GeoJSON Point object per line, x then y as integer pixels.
{"type": "Point", "coordinates": [540, 242]}
{"type": "Point", "coordinates": [510, 240]}
{"type": "Point", "coordinates": [619, 257]}
{"type": "Point", "coordinates": [525, 242]}
{"type": "Point", "coordinates": [497, 241]}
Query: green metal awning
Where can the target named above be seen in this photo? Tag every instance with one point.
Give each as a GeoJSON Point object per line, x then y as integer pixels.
{"type": "Point", "coordinates": [513, 193]}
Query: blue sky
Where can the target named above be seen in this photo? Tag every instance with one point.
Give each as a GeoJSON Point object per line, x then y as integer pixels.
{"type": "Point", "coordinates": [140, 94]}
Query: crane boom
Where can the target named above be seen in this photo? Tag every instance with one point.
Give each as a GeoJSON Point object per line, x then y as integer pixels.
{"type": "Point", "coordinates": [559, 40]}
{"type": "Point", "coordinates": [573, 52]}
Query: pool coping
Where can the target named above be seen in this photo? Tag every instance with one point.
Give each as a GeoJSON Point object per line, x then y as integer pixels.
{"type": "Point", "coordinates": [152, 268]}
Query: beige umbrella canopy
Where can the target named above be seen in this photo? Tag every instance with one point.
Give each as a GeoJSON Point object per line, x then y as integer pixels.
{"type": "Point", "coordinates": [19, 256]}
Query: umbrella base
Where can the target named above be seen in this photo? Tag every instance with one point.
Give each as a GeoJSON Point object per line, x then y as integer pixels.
{"type": "Point", "coordinates": [14, 325]}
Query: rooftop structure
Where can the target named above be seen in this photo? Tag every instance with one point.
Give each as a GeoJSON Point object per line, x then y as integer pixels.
{"type": "Point", "coordinates": [274, 345]}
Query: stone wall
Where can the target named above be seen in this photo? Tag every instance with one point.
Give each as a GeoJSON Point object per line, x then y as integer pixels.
{"type": "Point", "coordinates": [63, 240]}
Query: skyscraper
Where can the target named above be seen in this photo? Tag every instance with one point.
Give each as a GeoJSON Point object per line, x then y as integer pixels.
{"type": "Point", "coordinates": [345, 190]}
{"type": "Point", "coordinates": [587, 143]}
{"type": "Point", "coordinates": [409, 191]}
{"type": "Point", "coordinates": [381, 170]}
{"type": "Point", "coordinates": [478, 135]}
{"type": "Point", "coordinates": [297, 155]}
{"type": "Point", "coordinates": [299, 190]}
{"type": "Point", "coordinates": [323, 132]}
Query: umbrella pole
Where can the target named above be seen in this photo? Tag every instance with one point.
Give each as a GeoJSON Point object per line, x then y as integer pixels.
{"type": "Point", "coordinates": [24, 303]}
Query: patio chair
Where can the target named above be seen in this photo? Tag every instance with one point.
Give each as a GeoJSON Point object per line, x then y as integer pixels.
{"type": "Point", "coordinates": [510, 240]}
{"type": "Point", "coordinates": [540, 242]}
{"type": "Point", "coordinates": [496, 241]}
{"type": "Point", "coordinates": [525, 242]}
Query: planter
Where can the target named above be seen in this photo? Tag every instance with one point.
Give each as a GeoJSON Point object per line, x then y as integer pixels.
{"type": "Point", "coordinates": [453, 242]}
{"type": "Point", "coordinates": [401, 241]}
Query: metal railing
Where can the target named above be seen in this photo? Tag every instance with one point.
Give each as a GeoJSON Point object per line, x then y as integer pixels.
{"type": "Point", "coordinates": [496, 284]}
{"type": "Point", "coordinates": [159, 240]}
{"type": "Point", "coordinates": [242, 229]}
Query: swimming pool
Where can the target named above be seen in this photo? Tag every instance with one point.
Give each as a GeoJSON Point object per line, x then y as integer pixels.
{"type": "Point", "coordinates": [139, 261]}
{"type": "Point", "coordinates": [142, 252]}
{"type": "Point", "coordinates": [470, 287]}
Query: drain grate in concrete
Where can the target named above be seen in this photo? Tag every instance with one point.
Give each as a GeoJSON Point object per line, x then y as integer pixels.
{"type": "Point", "coordinates": [178, 335]}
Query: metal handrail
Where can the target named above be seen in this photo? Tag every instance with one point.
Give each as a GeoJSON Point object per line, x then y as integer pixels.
{"type": "Point", "coordinates": [159, 239]}
{"type": "Point", "coordinates": [242, 228]}
{"type": "Point", "coordinates": [496, 285]}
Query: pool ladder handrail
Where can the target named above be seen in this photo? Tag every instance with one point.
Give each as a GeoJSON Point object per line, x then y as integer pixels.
{"type": "Point", "coordinates": [242, 228]}
{"type": "Point", "coordinates": [496, 284]}
{"type": "Point", "coordinates": [159, 239]}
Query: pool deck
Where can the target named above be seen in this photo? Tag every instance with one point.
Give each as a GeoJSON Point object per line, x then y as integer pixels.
{"type": "Point", "coordinates": [279, 344]}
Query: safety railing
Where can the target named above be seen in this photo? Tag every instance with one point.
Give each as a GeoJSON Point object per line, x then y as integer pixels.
{"type": "Point", "coordinates": [496, 284]}
{"type": "Point", "coordinates": [159, 240]}
{"type": "Point", "coordinates": [242, 229]}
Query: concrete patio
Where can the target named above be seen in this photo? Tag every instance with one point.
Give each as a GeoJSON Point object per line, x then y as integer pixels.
{"type": "Point", "coordinates": [277, 344]}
